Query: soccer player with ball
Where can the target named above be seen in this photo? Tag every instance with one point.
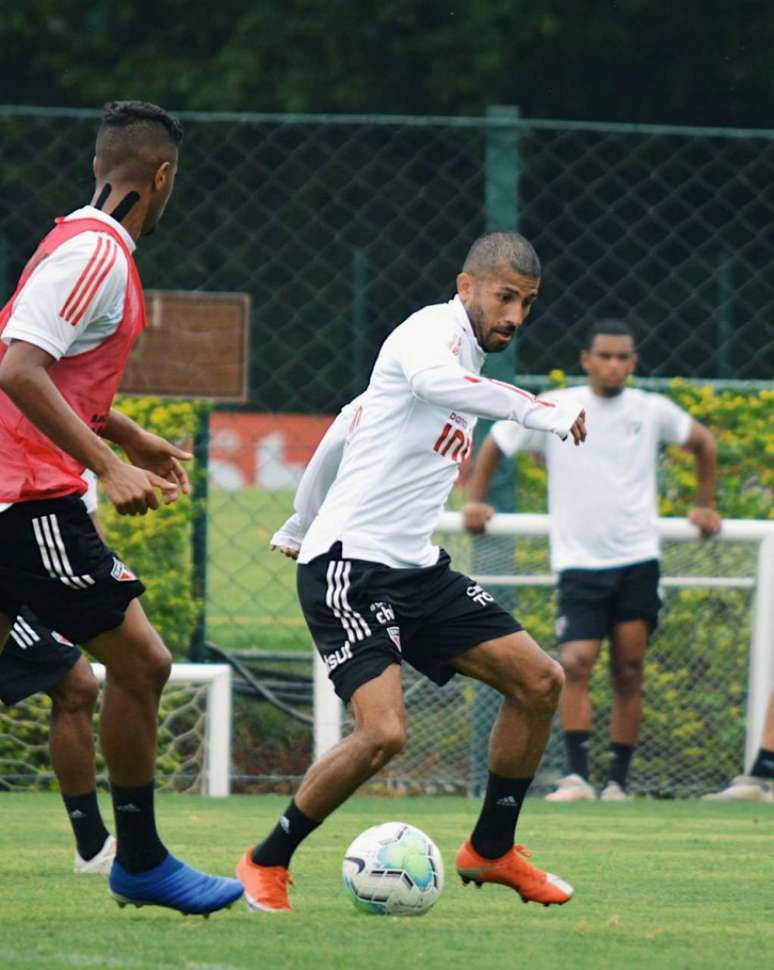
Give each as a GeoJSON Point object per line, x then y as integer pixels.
{"type": "Point", "coordinates": [375, 591]}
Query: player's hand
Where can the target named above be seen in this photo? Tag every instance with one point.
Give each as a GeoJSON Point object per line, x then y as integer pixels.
{"type": "Point", "coordinates": [578, 430]}
{"type": "Point", "coordinates": [156, 454]}
{"type": "Point", "coordinates": [475, 516]}
{"type": "Point", "coordinates": [133, 490]}
{"type": "Point", "coordinates": [706, 520]}
{"type": "Point", "coordinates": [288, 551]}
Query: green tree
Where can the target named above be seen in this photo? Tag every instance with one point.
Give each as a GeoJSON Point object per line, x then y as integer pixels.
{"type": "Point", "coordinates": [695, 62]}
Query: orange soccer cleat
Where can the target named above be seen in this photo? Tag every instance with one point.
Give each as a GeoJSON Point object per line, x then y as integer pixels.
{"type": "Point", "coordinates": [512, 869]}
{"type": "Point", "coordinates": [266, 887]}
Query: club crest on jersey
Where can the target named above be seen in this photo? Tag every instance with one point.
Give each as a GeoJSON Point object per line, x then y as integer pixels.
{"type": "Point", "coordinates": [121, 573]}
{"type": "Point", "coordinates": [393, 632]}
{"type": "Point", "coordinates": [456, 346]}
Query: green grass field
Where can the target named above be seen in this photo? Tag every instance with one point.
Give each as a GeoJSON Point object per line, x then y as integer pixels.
{"type": "Point", "coordinates": [658, 885]}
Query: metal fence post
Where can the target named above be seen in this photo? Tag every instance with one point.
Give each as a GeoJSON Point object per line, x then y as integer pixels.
{"type": "Point", "coordinates": [502, 213]}
{"type": "Point", "coordinates": [201, 446]}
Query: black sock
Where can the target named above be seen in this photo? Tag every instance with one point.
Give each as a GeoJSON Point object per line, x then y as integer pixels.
{"type": "Point", "coordinates": [494, 833]}
{"type": "Point", "coordinates": [88, 828]}
{"type": "Point", "coordinates": [764, 764]}
{"type": "Point", "coordinates": [620, 758]}
{"type": "Point", "coordinates": [139, 845]}
{"type": "Point", "coordinates": [286, 836]}
{"type": "Point", "coordinates": [576, 744]}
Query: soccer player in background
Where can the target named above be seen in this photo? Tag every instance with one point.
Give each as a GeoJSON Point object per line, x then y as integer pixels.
{"type": "Point", "coordinates": [36, 660]}
{"type": "Point", "coordinates": [604, 540]}
{"type": "Point", "coordinates": [758, 785]}
{"type": "Point", "coordinates": [375, 591]}
{"type": "Point", "coordinates": [66, 334]}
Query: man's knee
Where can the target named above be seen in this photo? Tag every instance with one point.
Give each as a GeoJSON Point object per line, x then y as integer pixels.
{"type": "Point", "coordinates": [576, 666]}
{"type": "Point", "coordinates": [383, 741]}
{"type": "Point", "coordinates": [147, 667]}
{"type": "Point", "coordinates": [77, 690]}
{"type": "Point", "coordinates": [538, 690]}
{"type": "Point", "coordinates": [627, 677]}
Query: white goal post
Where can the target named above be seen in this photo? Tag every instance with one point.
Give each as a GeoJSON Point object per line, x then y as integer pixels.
{"type": "Point", "coordinates": [328, 709]}
{"type": "Point", "coordinates": [216, 775]}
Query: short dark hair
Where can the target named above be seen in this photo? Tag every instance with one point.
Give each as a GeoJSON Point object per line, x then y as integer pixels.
{"type": "Point", "coordinates": [136, 136]}
{"type": "Point", "coordinates": [124, 114]}
{"type": "Point", "coordinates": [610, 328]}
{"type": "Point", "coordinates": [494, 249]}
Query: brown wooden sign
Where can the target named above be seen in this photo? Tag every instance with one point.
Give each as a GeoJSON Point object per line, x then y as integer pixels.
{"type": "Point", "coordinates": [195, 345]}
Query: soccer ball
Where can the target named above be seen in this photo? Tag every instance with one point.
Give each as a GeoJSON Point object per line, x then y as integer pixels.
{"type": "Point", "coordinates": [393, 869]}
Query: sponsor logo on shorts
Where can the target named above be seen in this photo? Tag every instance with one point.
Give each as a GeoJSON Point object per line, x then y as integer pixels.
{"type": "Point", "coordinates": [383, 612]}
{"type": "Point", "coordinates": [63, 640]}
{"type": "Point", "coordinates": [479, 595]}
{"type": "Point", "coordinates": [338, 657]}
{"type": "Point", "coordinates": [560, 626]}
{"type": "Point", "coordinates": [393, 632]}
{"type": "Point", "coordinates": [120, 572]}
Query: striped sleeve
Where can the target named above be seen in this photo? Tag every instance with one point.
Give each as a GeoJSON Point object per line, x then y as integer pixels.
{"type": "Point", "coordinates": [81, 285]}
{"type": "Point", "coordinates": [94, 274]}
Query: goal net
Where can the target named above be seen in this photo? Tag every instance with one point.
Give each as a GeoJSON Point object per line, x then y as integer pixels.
{"type": "Point", "coordinates": [194, 737]}
{"type": "Point", "coordinates": [709, 667]}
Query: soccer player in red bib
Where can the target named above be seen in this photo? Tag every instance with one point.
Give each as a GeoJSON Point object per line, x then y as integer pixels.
{"type": "Point", "coordinates": [65, 336]}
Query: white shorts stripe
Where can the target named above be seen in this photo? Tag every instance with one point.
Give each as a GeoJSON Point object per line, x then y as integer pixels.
{"type": "Point", "coordinates": [42, 546]}
{"type": "Point", "coordinates": [20, 636]}
{"type": "Point", "coordinates": [336, 599]}
{"type": "Point", "coordinates": [344, 594]}
{"type": "Point", "coordinates": [54, 555]}
{"type": "Point", "coordinates": [27, 629]}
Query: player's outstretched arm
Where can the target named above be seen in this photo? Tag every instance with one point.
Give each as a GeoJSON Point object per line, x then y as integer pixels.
{"type": "Point", "coordinates": [24, 378]}
{"type": "Point", "coordinates": [450, 386]}
{"type": "Point", "coordinates": [701, 444]}
{"type": "Point", "coordinates": [318, 477]}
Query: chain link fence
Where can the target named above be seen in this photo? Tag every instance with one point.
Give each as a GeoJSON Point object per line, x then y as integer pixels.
{"type": "Point", "coordinates": [340, 226]}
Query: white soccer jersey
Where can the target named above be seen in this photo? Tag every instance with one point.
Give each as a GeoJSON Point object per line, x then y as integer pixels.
{"type": "Point", "coordinates": [74, 299]}
{"type": "Point", "coordinates": [411, 431]}
{"type": "Point", "coordinates": [602, 497]}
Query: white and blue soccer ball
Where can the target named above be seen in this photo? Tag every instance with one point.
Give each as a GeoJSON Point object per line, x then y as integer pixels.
{"type": "Point", "coordinates": [393, 869]}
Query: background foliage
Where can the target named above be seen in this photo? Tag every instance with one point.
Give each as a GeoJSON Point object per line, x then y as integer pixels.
{"type": "Point", "coordinates": [694, 62]}
{"type": "Point", "coordinates": [157, 546]}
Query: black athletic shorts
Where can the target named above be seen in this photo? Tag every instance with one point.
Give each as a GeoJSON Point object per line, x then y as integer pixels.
{"type": "Point", "coordinates": [592, 601]}
{"type": "Point", "coordinates": [364, 616]}
{"type": "Point", "coordinates": [34, 659]}
{"type": "Point", "coordinates": [53, 561]}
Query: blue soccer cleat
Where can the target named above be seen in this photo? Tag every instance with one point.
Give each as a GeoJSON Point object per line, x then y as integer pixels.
{"type": "Point", "coordinates": [175, 885]}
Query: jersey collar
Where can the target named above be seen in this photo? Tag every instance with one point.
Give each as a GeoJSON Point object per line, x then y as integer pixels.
{"type": "Point", "coordinates": [89, 212]}
{"type": "Point", "coordinates": [461, 316]}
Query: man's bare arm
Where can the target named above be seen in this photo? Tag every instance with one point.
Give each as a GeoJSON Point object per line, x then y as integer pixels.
{"type": "Point", "coordinates": [701, 444]}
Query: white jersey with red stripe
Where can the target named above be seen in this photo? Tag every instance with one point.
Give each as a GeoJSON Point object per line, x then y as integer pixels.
{"type": "Point", "coordinates": [412, 429]}
{"type": "Point", "coordinates": [85, 279]}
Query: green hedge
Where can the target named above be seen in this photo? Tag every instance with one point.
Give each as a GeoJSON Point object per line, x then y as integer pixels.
{"type": "Point", "coordinates": [157, 546]}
